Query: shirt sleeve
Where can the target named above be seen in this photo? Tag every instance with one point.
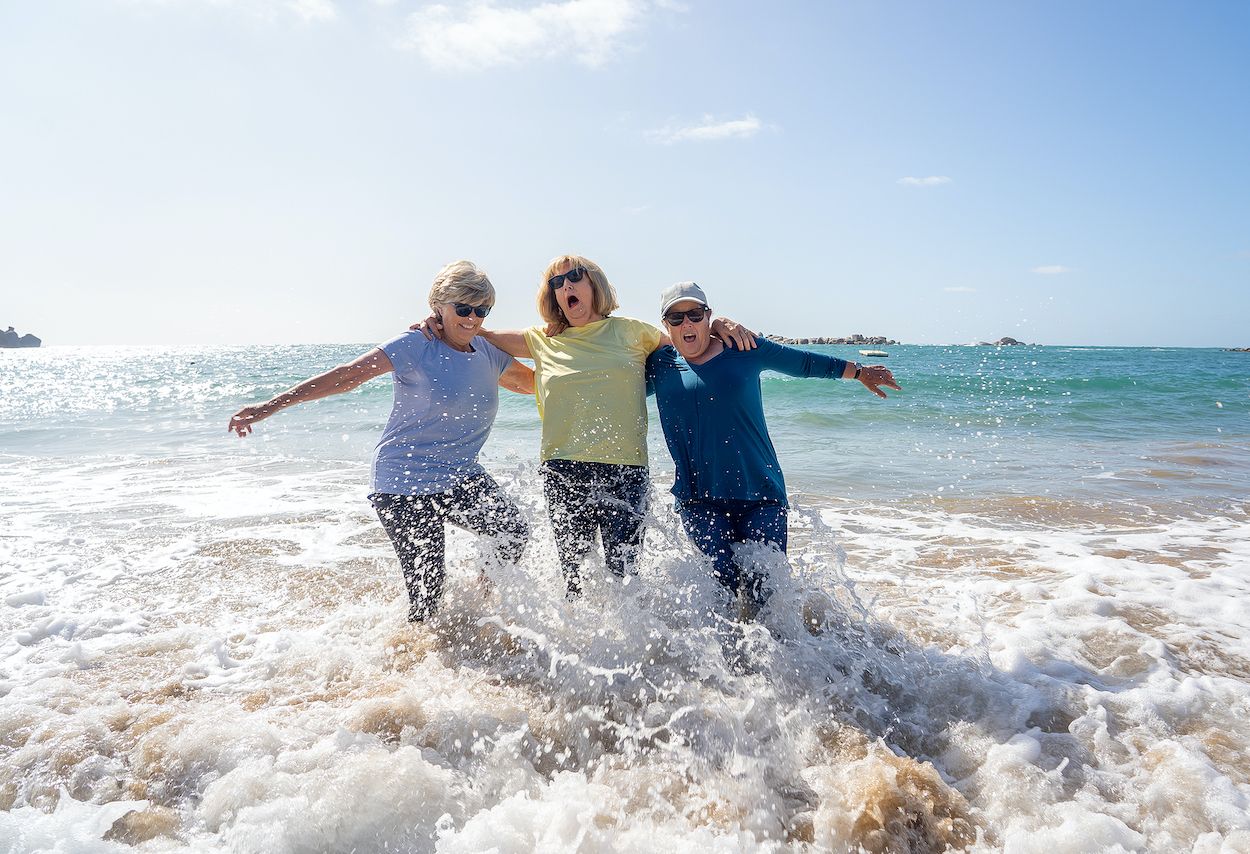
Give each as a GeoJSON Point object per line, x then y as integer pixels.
{"type": "Point", "coordinates": [797, 363]}
{"type": "Point", "coordinates": [642, 335]}
{"type": "Point", "coordinates": [499, 360]}
{"type": "Point", "coordinates": [536, 340]}
{"type": "Point", "coordinates": [402, 350]}
{"type": "Point", "coordinates": [653, 365]}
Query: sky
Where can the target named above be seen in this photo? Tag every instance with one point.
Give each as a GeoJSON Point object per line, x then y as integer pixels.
{"type": "Point", "coordinates": [296, 171]}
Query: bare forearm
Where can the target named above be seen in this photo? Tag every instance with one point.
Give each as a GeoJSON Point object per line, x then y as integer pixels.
{"type": "Point", "coordinates": [518, 378]}
{"type": "Point", "coordinates": [314, 388]}
{"type": "Point", "coordinates": [511, 341]}
{"type": "Point", "coordinates": [334, 381]}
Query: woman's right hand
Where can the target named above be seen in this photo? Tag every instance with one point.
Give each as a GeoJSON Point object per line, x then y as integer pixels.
{"type": "Point", "coordinates": [241, 422]}
{"type": "Point", "coordinates": [431, 327]}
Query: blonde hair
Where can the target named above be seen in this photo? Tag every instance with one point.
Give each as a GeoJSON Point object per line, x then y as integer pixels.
{"type": "Point", "coordinates": [461, 281]}
{"type": "Point", "coordinates": [549, 307]}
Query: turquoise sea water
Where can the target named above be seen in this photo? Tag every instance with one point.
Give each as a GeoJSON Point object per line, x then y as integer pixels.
{"type": "Point", "coordinates": [1013, 619]}
{"type": "Point", "coordinates": [1093, 424]}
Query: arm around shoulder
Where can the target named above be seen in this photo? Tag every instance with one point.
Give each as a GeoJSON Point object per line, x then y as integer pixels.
{"type": "Point", "coordinates": [730, 330]}
{"type": "Point", "coordinates": [517, 377]}
{"type": "Point", "coordinates": [511, 341]}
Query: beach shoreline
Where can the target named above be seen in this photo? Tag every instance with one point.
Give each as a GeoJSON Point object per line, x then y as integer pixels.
{"type": "Point", "coordinates": [1019, 621]}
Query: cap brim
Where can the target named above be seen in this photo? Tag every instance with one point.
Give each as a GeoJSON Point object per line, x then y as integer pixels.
{"type": "Point", "coordinates": [674, 302]}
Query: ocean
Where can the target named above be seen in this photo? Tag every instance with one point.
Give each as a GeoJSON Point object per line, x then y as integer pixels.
{"type": "Point", "coordinates": [1014, 619]}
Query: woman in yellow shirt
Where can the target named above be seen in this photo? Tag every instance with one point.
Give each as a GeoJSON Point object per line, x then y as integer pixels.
{"type": "Point", "coordinates": [591, 395]}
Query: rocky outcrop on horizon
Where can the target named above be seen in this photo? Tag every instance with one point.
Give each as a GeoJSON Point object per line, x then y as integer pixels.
{"type": "Point", "coordinates": [881, 341]}
{"type": "Point", "coordinates": [1237, 349]}
{"type": "Point", "coordinates": [875, 340]}
{"type": "Point", "coordinates": [10, 338]}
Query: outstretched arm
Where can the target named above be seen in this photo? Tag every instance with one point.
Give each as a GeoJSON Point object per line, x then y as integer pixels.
{"type": "Point", "coordinates": [804, 363]}
{"type": "Point", "coordinates": [334, 381]}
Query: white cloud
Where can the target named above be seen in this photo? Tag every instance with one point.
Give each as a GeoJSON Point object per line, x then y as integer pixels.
{"type": "Point", "coordinates": [484, 34]}
{"type": "Point", "coordinates": [709, 129]}
{"type": "Point", "coordinates": [930, 181]}
{"type": "Point", "coordinates": [313, 10]}
{"type": "Point", "coordinates": [961, 289]}
{"type": "Point", "coordinates": [1051, 270]}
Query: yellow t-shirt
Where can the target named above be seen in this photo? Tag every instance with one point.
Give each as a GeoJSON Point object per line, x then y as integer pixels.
{"type": "Point", "coordinates": [591, 392]}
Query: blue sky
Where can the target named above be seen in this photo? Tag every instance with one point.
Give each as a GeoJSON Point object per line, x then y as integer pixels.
{"type": "Point", "coordinates": [266, 171]}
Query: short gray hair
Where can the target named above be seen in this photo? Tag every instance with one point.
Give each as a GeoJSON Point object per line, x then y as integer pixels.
{"type": "Point", "coordinates": [461, 281]}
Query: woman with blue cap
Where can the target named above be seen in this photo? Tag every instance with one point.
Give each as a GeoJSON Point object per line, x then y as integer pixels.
{"type": "Point", "coordinates": [728, 484]}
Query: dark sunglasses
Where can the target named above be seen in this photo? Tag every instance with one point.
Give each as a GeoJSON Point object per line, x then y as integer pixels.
{"type": "Point", "coordinates": [464, 310]}
{"type": "Point", "coordinates": [696, 315]}
{"type": "Point", "coordinates": [574, 276]}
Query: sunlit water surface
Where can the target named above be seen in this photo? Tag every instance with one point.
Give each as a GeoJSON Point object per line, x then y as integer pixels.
{"type": "Point", "coordinates": [1014, 619]}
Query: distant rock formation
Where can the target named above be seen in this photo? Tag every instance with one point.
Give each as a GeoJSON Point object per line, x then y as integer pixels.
{"type": "Point", "coordinates": [875, 340]}
{"type": "Point", "coordinates": [1001, 342]}
{"type": "Point", "coordinates": [1237, 349]}
{"type": "Point", "coordinates": [10, 338]}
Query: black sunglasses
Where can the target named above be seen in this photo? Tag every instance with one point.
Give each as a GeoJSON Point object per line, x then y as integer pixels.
{"type": "Point", "coordinates": [696, 315]}
{"type": "Point", "coordinates": [464, 309]}
{"type": "Point", "coordinates": [574, 276]}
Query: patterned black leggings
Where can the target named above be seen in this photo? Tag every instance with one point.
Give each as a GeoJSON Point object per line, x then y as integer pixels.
{"type": "Point", "coordinates": [415, 525]}
{"type": "Point", "coordinates": [589, 499]}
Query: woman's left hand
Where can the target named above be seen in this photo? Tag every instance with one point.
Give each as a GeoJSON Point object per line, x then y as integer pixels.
{"type": "Point", "coordinates": [875, 376]}
{"type": "Point", "coordinates": [729, 330]}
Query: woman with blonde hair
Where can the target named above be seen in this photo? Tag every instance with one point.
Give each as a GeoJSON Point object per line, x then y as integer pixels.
{"type": "Point", "coordinates": [591, 395]}
{"type": "Point", "coordinates": [425, 468]}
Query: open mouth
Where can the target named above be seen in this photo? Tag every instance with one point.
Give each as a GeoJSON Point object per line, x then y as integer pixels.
{"type": "Point", "coordinates": [572, 301]}
{"type": "Point", "coordinates": [688, 337]}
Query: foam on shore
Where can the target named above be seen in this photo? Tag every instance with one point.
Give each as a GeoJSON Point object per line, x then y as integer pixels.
{"type": "Point", "coordinates": [227, 668]}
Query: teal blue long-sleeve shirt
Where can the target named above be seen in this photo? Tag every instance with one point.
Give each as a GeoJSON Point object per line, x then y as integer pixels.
{"type": "Point", "coordinates": [713, 418]}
